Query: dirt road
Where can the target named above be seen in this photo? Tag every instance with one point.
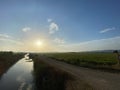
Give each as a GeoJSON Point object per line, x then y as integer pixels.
{"type": "Point", "coordinates": [97, 79]}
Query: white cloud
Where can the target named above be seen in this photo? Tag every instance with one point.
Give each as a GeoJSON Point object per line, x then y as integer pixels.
{"type": "Point", "coordinates": [49, 20]}
{"type": "Point", "coordinates": [59, 41]}
{"type": "Point", "coordinates": [53, 27]}
{"type": "Point", "coordinates": [107, 30]}
{"type": "Point", "coordinates": [26, 29]}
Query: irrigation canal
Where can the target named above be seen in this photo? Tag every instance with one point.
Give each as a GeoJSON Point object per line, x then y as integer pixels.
{"type": "Point", "coordinates": [19, 76]}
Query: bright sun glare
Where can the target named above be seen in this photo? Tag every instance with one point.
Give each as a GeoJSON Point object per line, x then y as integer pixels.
{"type": "Point", "coordinates": [38, 42]}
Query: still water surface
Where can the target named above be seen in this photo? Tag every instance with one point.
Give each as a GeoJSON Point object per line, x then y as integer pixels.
{"type": "Point", "coordinates": [18, 77]}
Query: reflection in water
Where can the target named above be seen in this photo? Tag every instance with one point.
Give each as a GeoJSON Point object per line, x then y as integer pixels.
{"type": "Point", "coordinates": [26, 56]}
{"type": "Point", "coordinates": [19, 77]}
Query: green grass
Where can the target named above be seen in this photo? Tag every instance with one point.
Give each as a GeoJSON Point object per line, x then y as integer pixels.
{"type": "Point", "coordinates": [87, 59]}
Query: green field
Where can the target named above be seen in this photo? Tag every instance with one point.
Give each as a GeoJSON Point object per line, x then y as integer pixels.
{"type": "Point", "coordinates": [90, 59]}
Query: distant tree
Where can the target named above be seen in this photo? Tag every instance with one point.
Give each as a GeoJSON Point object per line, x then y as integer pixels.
{"type": "Point", "coordinates": [118, 55]}
{"type": "Point", "coordinates": [115, 51]}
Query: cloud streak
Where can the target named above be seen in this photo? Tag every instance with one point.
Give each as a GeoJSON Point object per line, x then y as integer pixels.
{"type": "Point", "coordinates": [13, 41]}
{"type": "Point", "coordinates": [9, 39]}
{"type": "Point", "coordinates": [4, 36]}
{"type": "Point", "coordinates": [102, 44]}
{"type": "Point", "coordinates": [107, 30]}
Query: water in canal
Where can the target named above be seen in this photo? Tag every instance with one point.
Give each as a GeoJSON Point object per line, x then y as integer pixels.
{"type": "Point", "coordinates": [18, 77]}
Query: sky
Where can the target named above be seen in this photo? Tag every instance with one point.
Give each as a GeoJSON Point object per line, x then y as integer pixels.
{"type": "Point", "coordinates": [59, 25]}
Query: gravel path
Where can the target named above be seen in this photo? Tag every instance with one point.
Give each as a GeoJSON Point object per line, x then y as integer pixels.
{"type": "Point", "coordinates": [97, 79]}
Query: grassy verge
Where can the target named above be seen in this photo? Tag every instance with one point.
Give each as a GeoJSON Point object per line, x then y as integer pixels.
{"type": "Point", "coordinates": [103, 61]}
{"type": "Point", "coordinates": [7, 59]}
{"type": "Point", "coordinates": [51, 78]}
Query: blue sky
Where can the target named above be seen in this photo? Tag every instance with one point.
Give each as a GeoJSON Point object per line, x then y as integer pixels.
{"type": "Point", "coordinates": [61, 25]}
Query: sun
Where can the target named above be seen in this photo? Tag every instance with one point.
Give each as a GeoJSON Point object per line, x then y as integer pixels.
{"type": "Point", "coordinates": [38, 43]}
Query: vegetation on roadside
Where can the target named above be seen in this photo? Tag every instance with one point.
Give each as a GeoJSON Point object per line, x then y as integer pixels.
{"type": "Point", "coordinates": [87, 59]}
{"type": "Point", "coordinates": [51, 78]}
{"type": "Point", "coordinates": [7, 59]}
{"type": "Point", "coordinates": [48, 78]}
